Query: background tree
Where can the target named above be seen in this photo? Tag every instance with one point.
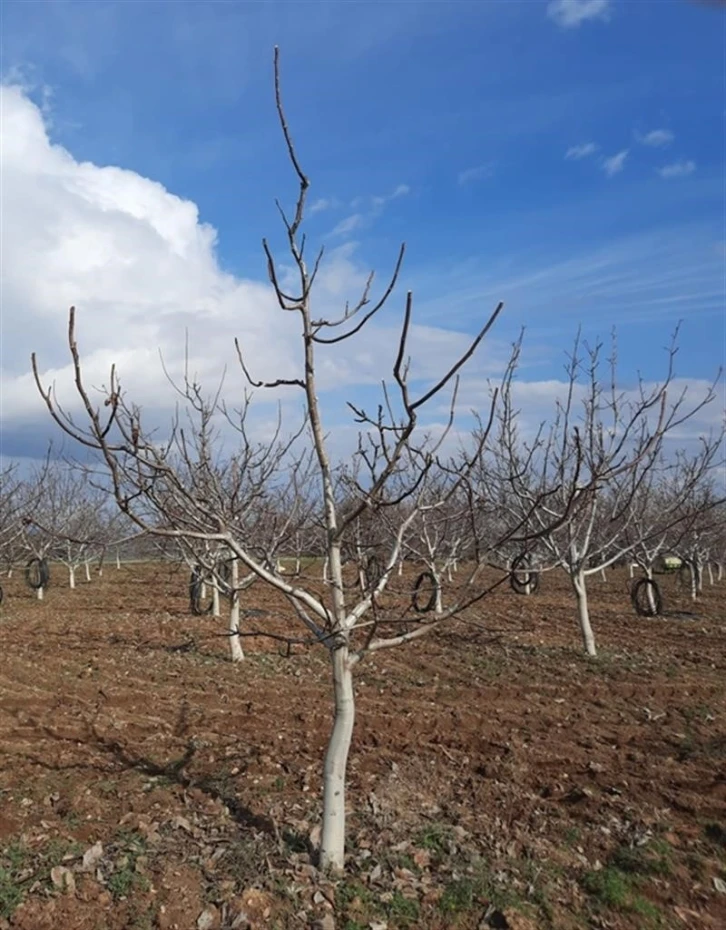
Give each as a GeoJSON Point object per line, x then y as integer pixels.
{"type": "Point", "coordinates": [602, 445]}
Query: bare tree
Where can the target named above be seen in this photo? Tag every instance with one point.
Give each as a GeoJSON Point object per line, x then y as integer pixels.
{"type": "Point", "coordinates": [170, 489]}
{"type": "Point", "coordinates": [602, 445]}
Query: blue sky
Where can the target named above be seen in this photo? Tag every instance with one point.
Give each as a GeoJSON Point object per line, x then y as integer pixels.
{"type": "Point", "coordinates": [567, 157]}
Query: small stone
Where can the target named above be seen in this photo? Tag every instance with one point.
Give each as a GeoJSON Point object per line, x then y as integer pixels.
{"type": "Point", "coordinates": [208, 919]}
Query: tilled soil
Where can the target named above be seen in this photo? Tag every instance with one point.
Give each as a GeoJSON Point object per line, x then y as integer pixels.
{"type": "Point", "coordinates": [498, 778]}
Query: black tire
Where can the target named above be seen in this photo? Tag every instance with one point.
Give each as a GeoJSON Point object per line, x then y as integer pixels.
{"type": "Point", "coordinates": [196, 582]}
{"type": "Point", "coordinates": [522, 577]}
{"type": "Point", "coordinates": [641, 600]}
{"type": "Point", "coordinates": [684, 574]}
{"type": "Point", "coordinates": [415, 599]}
{"type": "Point", "coordinates": [224, 573]}
{"type": "Point", "coordinates": [37, 574]}
{"type": "Point", "coordinates": [373, 571]}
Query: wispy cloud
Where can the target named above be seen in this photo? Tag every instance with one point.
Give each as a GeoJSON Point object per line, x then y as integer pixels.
{"type": "Point", "coordinates": [322, 203]}
{"type": "Point", "coordinates": [615, 163]}
{"type": "Point", "coordinates": [677, 169]}
{"type": "Point", "coordinates": [656, 138]}
{"type": "Point", "coordinates": [364, 217]}
{"type": "Point", "coordinates": [348, 225]}
{"type": "Point", "coordinates": [477, 173]}
{"type": "Point", "coordinates": [576, 152]}
{"type": "Point", "coordinates": [572, 13]}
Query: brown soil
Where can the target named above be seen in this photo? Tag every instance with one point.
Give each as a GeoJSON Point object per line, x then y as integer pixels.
{"type": "Point", "coordinates": [497, 778]}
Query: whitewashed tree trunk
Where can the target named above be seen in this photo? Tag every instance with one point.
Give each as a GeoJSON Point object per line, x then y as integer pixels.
{"type": "Point", "coordinates": [332, 845]}
{"type": "Point", "coordinates": [603, 575]}
{"type": "Point", "coordinates": [118, 560]}
{"type": "Point", "coordinates": [709, 569]}
{"type": "Point", "coordinates": [631, 570]}
{"type": "Point", "coordinates": [583, 613]}
{"type": "Point", "coordinates": [234, 640]}
{"type": "Point", "coordinates": [719, 571]}
{"type": "Point", "coordinates": [216, 610]}
{"type": "Point", "coordinates": [400, 567]}
{"type": "Point", "coordinates": [71, 576]}
{"type": "Point", "coordinates": [88, 571]}
{"type": "Point", "coordinates": [326, 565]}
{"type": "Point", "coordinates": [439, 606]}
{"type": "Point", "coordinates": [651, 594]}
{"type": "Point", "coordinates": [39, 593]}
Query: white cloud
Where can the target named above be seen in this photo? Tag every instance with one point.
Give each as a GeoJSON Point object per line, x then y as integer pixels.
{"type": "Point", "coordinates": [656, 138]}
{"type": "Point", "coordinates": [678, 169]}
{"type": "Point", "coordinates": [367, 209]}
{"type": "Point", "coordinates": [322, 203]}
{"type": "Point", "coordinates": [348, 225]}
{"type": "Point", "coordinates": [572, 13]}
{"type": "Point", "coordinates": [615, 163]}
{"type": "Point", "coordinates": [477, 173]}
{"type": "Point", "coordinates": [576, 152]}
{"type": "Point", "coordinates": [142, 270]}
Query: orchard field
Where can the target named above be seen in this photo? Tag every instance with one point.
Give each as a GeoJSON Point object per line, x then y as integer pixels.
{"type": "Point", "coordinates": [498, 777]}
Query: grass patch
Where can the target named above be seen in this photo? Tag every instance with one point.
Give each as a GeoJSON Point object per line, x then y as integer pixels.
{"type": "Point", "coordinates": [618, 886]}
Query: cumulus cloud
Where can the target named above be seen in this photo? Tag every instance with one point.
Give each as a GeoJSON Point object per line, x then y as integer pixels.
{"type": "Point", "coordinates": [477, 173]}
{"type": "Point", "coordinates": [677, 169]}
{"type": "Point", "coordinates": [656, 138]}
{"type": "Point", "coordinates": [615, 163]}
{"type": "Point", "coordinates": [141, 268]}
{"type": "Point", "coordinates": [576, 152]}
{"type": "Point", "coordinates": [572, 13]}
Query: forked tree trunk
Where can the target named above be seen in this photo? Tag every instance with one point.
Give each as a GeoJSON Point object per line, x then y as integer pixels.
{"type": "Point", "coordinates": [234, 639]}
{"type": "Point", "coordinates": [332, 845]}
{"type": "Point", "coordinates": [583, 613]}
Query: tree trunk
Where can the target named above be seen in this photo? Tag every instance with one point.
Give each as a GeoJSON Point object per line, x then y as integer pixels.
{"type": "Point", "coordinates": [709, 569]}
{"type": "Point", "coordinates": [39, 593]}
{"type": "Point", "coordinates": [400, 567]}
{"type": "Point", "coordinates": [88, 571]}
{"type": "Point", "coordinates": [216, 610]}
{"type": "Point", "coordinates": [651, 594]}
{"type": "Point", "coordinates": [603, 576]}
{"type": "Point", "coordinates": [583, 613]}
{"type": "Point", "coordinates": [439, 607]}
{"type": "Point", "coordinates": [719, 571]}
{"type": "Point", "coordinates": [332, 846]}
{"type": "Point", "coordinates": [234, 639]}
{"type": "Point", "coordinates": [71, 576]}
{"type": "Point", "coordinates": [631, 570]}
{"type": "Point", "coordinates": [118, 559]}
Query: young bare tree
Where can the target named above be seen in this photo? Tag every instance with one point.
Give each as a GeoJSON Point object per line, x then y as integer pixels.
{"type": "Point", "coordinates": [169, 489]}
{"type": "Point", "coordinates": [602, 445]}
{"type": "Point", "coordinates": [672, 500]}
